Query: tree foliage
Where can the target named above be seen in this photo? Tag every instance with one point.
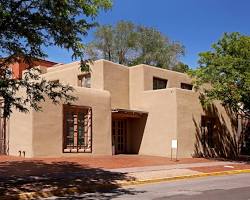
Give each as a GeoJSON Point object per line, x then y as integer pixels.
{"type": "Point", "coordinates": [227, 69]}
{"type": "Point", "coordinates": [156, 49]}
{"type": "Point", "coordinates": [113, 43]}
{"type": "Point", "coordinates": [26, 27]}
{"type": "Point", "coordinates": [181, 67]}
{"type": "Point", "coordinates": [130, 44]}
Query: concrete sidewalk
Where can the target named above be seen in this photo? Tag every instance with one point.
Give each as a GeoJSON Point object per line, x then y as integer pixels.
{"type": "Point", "coordinates": [147, 173]}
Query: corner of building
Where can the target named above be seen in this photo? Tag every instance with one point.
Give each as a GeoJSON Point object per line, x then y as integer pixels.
{"type": "Point", "coordinates": [21, 134]}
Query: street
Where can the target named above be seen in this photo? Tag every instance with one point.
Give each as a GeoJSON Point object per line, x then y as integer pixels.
{"type": "Point", "coordinates": [218, 187]}
{"type": "Point", "coordinates": [215, 188]}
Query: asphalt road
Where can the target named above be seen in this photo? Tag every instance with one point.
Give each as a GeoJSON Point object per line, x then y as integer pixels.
{"type": "Point", "coordinates": [232, 187]}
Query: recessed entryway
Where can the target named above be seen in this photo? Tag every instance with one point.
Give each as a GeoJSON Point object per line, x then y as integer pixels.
{"type": "Point", "coordinates": [126, 137]}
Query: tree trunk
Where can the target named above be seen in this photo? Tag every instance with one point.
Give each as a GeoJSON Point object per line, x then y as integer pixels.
{"type": "Point", "coordinates": [109, 55]}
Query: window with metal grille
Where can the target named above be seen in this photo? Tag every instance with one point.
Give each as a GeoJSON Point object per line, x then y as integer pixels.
{"type": "Point", "coordinates": [84, 80]}
{"type": "Point", "coordinates": [186, 86]}
{"type": "Point", "coordinates": [159, 83]}
{"type": "Point", "coordinates": [77, 129]}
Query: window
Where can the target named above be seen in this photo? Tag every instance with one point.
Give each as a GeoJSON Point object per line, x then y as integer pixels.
{"type": "Point", "coordinates": [159, 83]}
{"type": "Point", "coordinates": [55, 81]}
{"type": "Point", "coordinates": [207, 126]}
{"type": "Point", "coordinates": [186, 86]}
{"type": "Point", "coordinates": [77, 129]}
{"type": "Point", "coordinates": [84, 80]}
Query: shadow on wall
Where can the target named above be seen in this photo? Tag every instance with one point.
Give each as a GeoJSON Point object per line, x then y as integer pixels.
{"type": "Point", "coordinates": [57, 177]}
{"type": "Point", "coordinates": [137, 131]}
{"type": "Point", "coordinates": [221, 143]}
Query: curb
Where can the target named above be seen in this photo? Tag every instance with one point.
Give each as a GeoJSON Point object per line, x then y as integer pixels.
{"type": "Point", "coordinates": [175, 178]}
{"type": "Point", "coordinates": [75, 190]}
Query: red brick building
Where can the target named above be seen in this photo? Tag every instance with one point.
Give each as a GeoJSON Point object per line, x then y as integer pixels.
{"type": "Point", "coordinates": [19, 66]}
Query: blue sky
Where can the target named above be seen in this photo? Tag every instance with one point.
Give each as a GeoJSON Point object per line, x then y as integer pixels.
{"type": "Point", "coordinates": [195, 23]}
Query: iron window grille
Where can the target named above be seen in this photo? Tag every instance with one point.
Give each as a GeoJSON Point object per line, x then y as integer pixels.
{"type": "Point", "coordinates": [77, 129]}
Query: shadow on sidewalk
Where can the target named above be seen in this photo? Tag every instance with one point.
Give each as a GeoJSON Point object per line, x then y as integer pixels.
{"type": "Point", "coordinates": [57, 178]}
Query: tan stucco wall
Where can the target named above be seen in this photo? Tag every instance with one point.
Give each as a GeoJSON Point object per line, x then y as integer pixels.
{"type": "Point", "coordinates": [20, 133]}
{"type": "Point", "coordinates": [174, 78]}
{"type": "Point", "coordinates": [161, 122]}
{"type": "Point", "coordinates": [160, 127]}
{"type": "Point", "coordinates": [116, 81]}
{"type": "Point", "coordinates": [48, 125]}
{"type": "Point", "coordinates": [189, 111]}
{"type": "Point", "coordinates": [136, 87]}
{"type": "Point", "coordinates": [66, 74]}
{"type": "Point", "coordinates": [174, 113]}
{"type": "Point", "coordinates": [105, 75]}
{"type": "Point", "coordinates": [97, 77]}
{"type": "Point", "coordinates": [41, 133]}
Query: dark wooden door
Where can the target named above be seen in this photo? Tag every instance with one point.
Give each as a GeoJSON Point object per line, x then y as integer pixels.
{"type": "Point", "coordinates": [119, 134]}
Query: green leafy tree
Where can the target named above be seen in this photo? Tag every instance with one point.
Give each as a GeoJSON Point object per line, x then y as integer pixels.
{"type": "Point", "coordinates": [124, 41]}
{"type": "Point", "coordinates": [26, 27]}
{"type": "Point", "coordinates": [156, 49]}
{"type": "Point", "coordinates": [181, 67]}
{"type": "Point", "coordinates": [130, 44]}
{"type": "Point", "coordinates": [227, 70]}
{"type": "Point", "coordinates": [103, 46]}
{"type": "Point", "coordinates": [113, 43]}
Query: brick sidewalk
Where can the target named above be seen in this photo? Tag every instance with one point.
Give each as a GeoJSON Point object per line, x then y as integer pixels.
{"type": "Point", "coordinates": [220, 168]}
{"type": "Point", "coordinates": [110, 162]}
{"type": "Point", "coordinates": [88, 173]}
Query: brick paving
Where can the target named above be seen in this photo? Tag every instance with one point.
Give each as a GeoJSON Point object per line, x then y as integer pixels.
{"type": "Point", "coordinates": [11, 166]}
{"type": "Point", "coordinates": [110, 162]}
{"type": "Point", "coordinates": [220, 168]}
{"type": "Point", "coordinates": [170, 167]}
{"type": "Point", "coordinates": [119, 163]}
{"type": "Point", "coordinates": [18, 175]}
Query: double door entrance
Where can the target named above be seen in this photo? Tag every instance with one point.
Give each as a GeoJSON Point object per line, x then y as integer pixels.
{"type": "Point", "coordinates": [119, 135]}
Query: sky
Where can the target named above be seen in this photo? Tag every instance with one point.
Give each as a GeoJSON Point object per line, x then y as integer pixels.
{"type": "Point", "coordinates": [197, 24]}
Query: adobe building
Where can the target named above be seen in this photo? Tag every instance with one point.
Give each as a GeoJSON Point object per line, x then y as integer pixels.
{"type": "Point", "coordinates": [121, 110]}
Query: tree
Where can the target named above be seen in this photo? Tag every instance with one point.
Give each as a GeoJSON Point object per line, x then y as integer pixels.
{"type": "Point", "coordinates": [124, 41]}
{"type": "Point", "coordinates": [130, 44]}
{"type": "Point", "coordinates": [227, 69]}
{"type": "Point", "coordinates": [181, 67]}
{"type": "Point", "coordinates": [103, 44]}
{"type": "Point", "coordinates": [156, 49]}
{"type": "Point", "coordinates": [113, 43]}
{"type": "Point", "coordinates": [26, 27]}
